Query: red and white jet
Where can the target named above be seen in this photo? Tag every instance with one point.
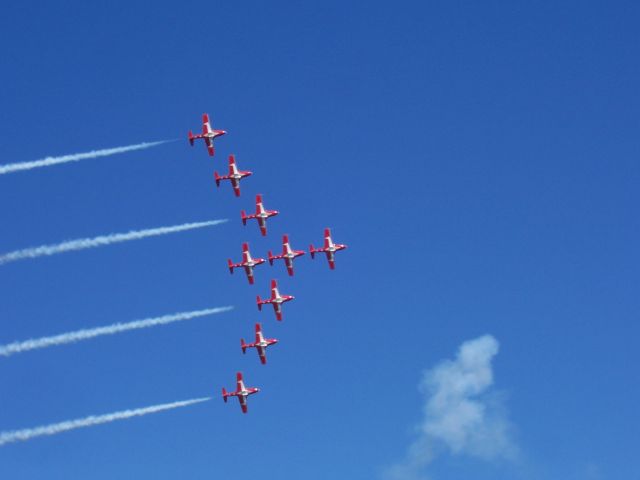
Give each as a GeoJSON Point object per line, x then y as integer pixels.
{"type": "Point", "coordinates": [241, 392]}
{"type": "Point", "coordinates": [288, 254]}
{"type": "Point", "coordinates": [260, 344]}
{"type": "Point", "coordinates": [329, 248]}
{"type": "Point", "coordinates": [235, 175]}
{"type": "Point", "coordinates": [261, 215]}
{"type": "Point", "coordinates": [276, 300]}
{"type": "Point", "coordinates": [208, 134]}
{"type": "Point", "coordinates": [247, 262]}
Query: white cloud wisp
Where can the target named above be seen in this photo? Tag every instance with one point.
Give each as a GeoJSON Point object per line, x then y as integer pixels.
{"type": "Point", "coordinates": [461, 412]}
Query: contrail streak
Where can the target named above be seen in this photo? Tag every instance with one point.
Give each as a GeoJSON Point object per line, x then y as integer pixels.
{"type": "Point", "coordinates": [75, 157]}
{"type": "Point", "coordinates": [83, 243]}
{"type": "Point", "coordinates": [53, 429]}
{"type": "Point", "coordinates": [88, 333]}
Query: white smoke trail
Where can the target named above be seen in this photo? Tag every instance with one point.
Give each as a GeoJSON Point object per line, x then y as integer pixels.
{"type": "Point", "coordinates": [88, 333]}
{"type": "Point", "coordinates": [82, 243]}
{"type": "Point", "coordinates": [53, 429]}
{"type": "Point", "coordinates": [48, 161]}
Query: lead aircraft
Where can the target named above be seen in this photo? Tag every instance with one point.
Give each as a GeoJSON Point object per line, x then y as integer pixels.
{"type": "Point", "coordinates": [261, 215]}
{"type": "Point", "coordinates": [329, 248]}
{"type": "Point", "coordinates": [208, 134]}
{"type": "Point", "coordinates": [241, 392]}
{"type": "Point", "coordinates": [260, 344]}
{"type": "Point", "coordinates": [234, 176]}
{"type": "Point", "coordinates": [247, 262]}
{"type": "Point", "coordinates": [288, 254]}
{"type": "Point", "coordinates": [276, 300]}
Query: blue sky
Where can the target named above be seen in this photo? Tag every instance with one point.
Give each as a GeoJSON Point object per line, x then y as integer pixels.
{"type": "Point", "coordinates": [480, 159]}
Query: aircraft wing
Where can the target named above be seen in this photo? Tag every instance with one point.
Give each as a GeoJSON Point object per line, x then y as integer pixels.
{"type": "Point", "coordinates": [263, 354]}
{"type": "Point", "coordinates": [206, 126]}
{"type": "Point", "coordinates": [259, 336]}
{"type": "Point", "coordinates": [327, 238]}
{"type": "Point", "coordinates": [289, 264]}
{"type": "Point", "coordinates": [232, 165]}
{"type": "Point", "coordinates": [246, 256]}
{"type": "Point", "coordinates": [239, 383]}
{"type": "Point", "coordinates": [278, 309]}
{"type": "Point", "coordinates": [209, 146]}
{"type": "Point", "coordinates": [331, 259]}
{"type": "Point", "coordinates": [249, 272]}
{"type": "Point", "coordinates": [236, 186]}
{"type": "Point", "coordinates": [243, 403]}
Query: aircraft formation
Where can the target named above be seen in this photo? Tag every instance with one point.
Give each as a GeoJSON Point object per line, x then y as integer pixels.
{"type": "Point", "coordinates": [249, 263]}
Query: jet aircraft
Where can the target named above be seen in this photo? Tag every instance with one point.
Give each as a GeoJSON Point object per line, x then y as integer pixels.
{"type": "Point", "coordinates": [288, 254]}
{"type": "Point", "coordinates": [234, 176]}
{"type": "Point", "coordinates": [241, 392]}
{"type": "Point", "coordinates": [329, 248]}
{"type": "Point", "coordinates": [248, 262]}
{"type": "Point", "coordinates": [208, 134]}
{"type": "Point", "coordinates": [276, 300]}
{"type": "Point", "coordinates": [260, 344]}
{"type": "Point", "coordinates": [261, 215]}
